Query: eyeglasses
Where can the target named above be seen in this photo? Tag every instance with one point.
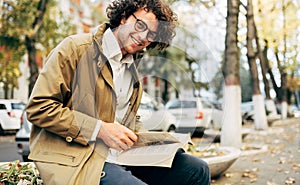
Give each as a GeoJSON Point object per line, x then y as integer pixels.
{"type": "Point", "coordinates": [141, 26]}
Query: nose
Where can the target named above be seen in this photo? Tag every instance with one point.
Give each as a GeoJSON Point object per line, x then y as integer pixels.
{"type": "Point", "coordinates": [143, 35]}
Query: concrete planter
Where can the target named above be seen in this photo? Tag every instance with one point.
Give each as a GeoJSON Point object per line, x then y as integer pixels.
{"type": "Point", "coordinates": [219, 164]}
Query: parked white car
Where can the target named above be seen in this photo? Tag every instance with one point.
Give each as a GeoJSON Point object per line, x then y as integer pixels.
{"type": "Point", "coordinates": [10, 114]}
{"type": "Point", "coordinates": [154, 116]}
{"type": "Point", "coordinates": [22, 137]}
{"type": "Point", "coordinates": [194, 115]}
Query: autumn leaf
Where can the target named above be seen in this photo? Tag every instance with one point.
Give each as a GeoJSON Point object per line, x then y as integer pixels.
{"type": "Point", "coordinates": [249, 174]}
{"type": "Point", "coordinates": [228, 175]}
{"type": "Point", "coordinates": [295, 166]}
{"type": "Point", "coordinates": [290, 180]}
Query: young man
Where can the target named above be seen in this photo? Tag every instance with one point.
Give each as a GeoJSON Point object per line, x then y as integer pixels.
{"type": "Point", "coordinates": [85, 100]}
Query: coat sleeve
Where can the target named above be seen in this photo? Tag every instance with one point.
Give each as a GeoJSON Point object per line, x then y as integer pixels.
{"type": "Point", "coordinates": [50, 104]}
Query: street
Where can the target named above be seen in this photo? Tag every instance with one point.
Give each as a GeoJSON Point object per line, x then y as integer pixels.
{"type": "Point", "coordinates": [279, 165]}
{"type": "Point", "coordinates": [8, 149]}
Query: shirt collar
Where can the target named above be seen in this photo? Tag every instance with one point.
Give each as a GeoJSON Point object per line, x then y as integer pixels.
{"type": "Point", "coordinates": [111, 48]}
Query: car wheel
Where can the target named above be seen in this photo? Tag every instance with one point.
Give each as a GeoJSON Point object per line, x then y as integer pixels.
{"type": "Point", "coordinates": [199, 132]}
{"type": "Point", "coordinates": [172, 128]}
{"type": "Point", "coordinates": [1, 130]}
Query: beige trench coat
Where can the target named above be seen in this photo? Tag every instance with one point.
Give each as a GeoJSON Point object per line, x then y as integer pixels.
{"type": "Point", "coordinates": [74, 90]}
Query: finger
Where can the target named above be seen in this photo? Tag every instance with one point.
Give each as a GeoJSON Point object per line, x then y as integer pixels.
{"type": "Point", "coordinates": [116, 147]}
{"type": "Point", "coordinates": [129, 142]}
{"type": "Point", "coordinates": [123, 146]}
{"type": "Point", "coordinates": [131, 135]}
{"type": "Point", "coordinates": [121, 143]}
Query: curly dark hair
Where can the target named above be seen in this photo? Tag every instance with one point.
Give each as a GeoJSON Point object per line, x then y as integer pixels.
{"type": "Point", "coordinates": [120, 9]}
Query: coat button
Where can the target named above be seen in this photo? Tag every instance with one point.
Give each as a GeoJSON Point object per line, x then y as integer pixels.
{"type": "Point", "coordinates": [69, 139]}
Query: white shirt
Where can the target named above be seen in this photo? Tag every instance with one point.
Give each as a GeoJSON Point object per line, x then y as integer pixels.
{"type": "Point", "coordinates": [122, 77]}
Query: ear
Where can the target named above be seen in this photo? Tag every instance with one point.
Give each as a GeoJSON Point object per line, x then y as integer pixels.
{"type": "Point", "coordinates": [123, 20]}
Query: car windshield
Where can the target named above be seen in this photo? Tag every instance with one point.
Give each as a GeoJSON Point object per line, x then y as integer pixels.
{"type": "Point", "coordinates": [19, 106]}
{"type": "Point", "coordinates": [145, 106]}
{"type": "Point", "coordinates": [206, 105]}
{"type": "Point", "coordinates": [189, 104]}
{"type": "Point", "coordinates": [181, 104]}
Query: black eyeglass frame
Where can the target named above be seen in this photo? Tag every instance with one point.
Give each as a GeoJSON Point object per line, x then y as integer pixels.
{"type": "Point", "coordinates": [141, 26]}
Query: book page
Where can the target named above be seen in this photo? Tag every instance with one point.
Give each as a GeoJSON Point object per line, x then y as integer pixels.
{"type": "Point", "coordinates": [183, 138]}
{"type": "Point", "coordinates": [154, 149]}
{"type": "Point", "coordinates": [154, 138]}
{"type": "Point", "coordinates": [154, 155]}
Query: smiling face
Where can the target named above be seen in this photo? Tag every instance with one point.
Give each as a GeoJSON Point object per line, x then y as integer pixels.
{"type": "Point", "coordinates": [130, 38]}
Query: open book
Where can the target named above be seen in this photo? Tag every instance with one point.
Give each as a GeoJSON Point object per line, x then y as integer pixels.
{"type": "Point", "coordinates": [151, 149]}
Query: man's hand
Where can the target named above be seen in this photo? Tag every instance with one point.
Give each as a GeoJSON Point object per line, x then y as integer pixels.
{"type": "Point", "coordinates": [116, 136]}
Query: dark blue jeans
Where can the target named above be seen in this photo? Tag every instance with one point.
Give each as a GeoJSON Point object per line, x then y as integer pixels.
{"type": "Point", "coordinates": [186, 170]}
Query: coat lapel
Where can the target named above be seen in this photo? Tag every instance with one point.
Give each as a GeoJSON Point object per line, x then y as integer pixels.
{"type": "Point", "coordinates": [106, 71]}
{"type": "Point", "coordinates": [100, 58]}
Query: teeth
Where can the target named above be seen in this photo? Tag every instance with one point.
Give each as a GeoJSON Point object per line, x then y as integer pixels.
{"type": "Point", "coordinates": [136, 41]}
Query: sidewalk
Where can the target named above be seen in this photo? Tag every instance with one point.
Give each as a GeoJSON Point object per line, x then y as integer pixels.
{"type": "Point", "coordinates": [278, 165]}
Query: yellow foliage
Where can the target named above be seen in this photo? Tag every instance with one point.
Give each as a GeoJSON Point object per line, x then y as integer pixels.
{"type": "Point", "coordinates": [293, 84]}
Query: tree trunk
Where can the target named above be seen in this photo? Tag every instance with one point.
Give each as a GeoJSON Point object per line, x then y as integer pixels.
{"type": "Point", "coordinates": [269, 70]}
{"type": "Point", "coordinates": [283, 72]}
{"type": "Point", "coordinates": [165, 94]}
{"type": "Point", "coordinates": [5, 89]}
{"type": "Point", "coordinates": [30, 44]}
{"type": "Point", "coordinates": [34, 71]}
{"type": "Point", "coordinates": [262, 65]}
{"type": "Point", "coordinates": [270, 104]}
{"type": "Point", "coordinates": [250, 50]}
{"type": "Point", "coordinates": [282, 95]}
{"type": "Point", "coordinates": [260, 118]}
{"type": "Point", "coordinates": [284, 105]}
{"type": "Point", "coordinates": [232, 123]}
{"type": "Point", "coordinates": [12, 92]}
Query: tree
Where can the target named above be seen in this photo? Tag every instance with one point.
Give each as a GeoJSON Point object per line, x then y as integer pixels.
{"type": "Point", "coordinates": [279, 32]}
{"type": "Point", "coordinates": [260, 119]}
{"type": "Point", "coordinates": [9, 73]}
{"type": "Point", "coordinates": [231, 128]}
{"type": "Point", "coordinates": [11, 53]}
{"type": "Point", "coordinates": [264, 64]}
{"type": "Point", "coordinates": [26, 23]}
